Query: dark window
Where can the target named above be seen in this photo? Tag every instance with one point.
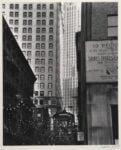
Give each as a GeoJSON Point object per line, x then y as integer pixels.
{"type": "Point", "coordinates": [43, 38]}
{"type": "Point", "coordinates": [29, 45]}
{"type": "Point", "coordinates": [24, 37]}
{"type": "Point", "coordinates": [42, 85]}
{"type": "Point", "coordinates": [38, 14]}
{"type": "Point", "coordinates": [36, 94]}
{"type": "Point", "coordinates": [29, 22]}
{"type": "Point", "coordinates": [29, 30]}
{"type": "Point", "coordinates": [29, 38]}
{"type": "Point", "coordinates": [51, 30]}
{"type": "Point", "coordinates": [23, 45]}
{"type": "Point", "coordinates": [38, 38]}
{"type": "Point", "coordinates": [50, 53]}
{"type": "Point", "coordinates": [25, 6]}
{"type": "Point", "coordinates": [51, 37]}
{"type": "Point", "coordinates": [37, 30]}
{"type": "Point", "coordinates": [37, 45]}
{"type": "Point", "coordinates": [50, 61]}
{"type": "Point", "coordinates": [24, 22]}
{"type": "Point", "coordinates": [43, 53]}
{"type": "Point", "coordinates": [42, 61]}
{"type": "Point", "coordinates": [42, 77]}
{"type": "Point", "coordinates": [11, 6]}
{"type": "Point", "coordinates": [16, 30]}
{"type": "Point", "coordinates": [50, 77]}
{"type": "Point", "coordinates": [43, 22]}
{"type": "Point", "coordinates": [30, 6]}
{"type": "Point", "coordinates": [11, 14]}
{"type": "Point", "coordinates": [43, 30]}
{"type": "Point", "coordinates": [42, 69]}
{"type": "Point", "coordinates": [43, 45]}
{"type": "Point", "coordinates": [30, 14]}
{"type": "Point", "coordinates": [51, 6]}
{"type": "Point", "coordinates": [36, 69]}
{"type": "Point", "coordinates": [38, 22]}
{"type": "Point", "coordinates": [50, 45]}
{"type": "Point", "coordinates": [24, 14]}
{"type": "Point", "coordinates": [43, 14]}
{"type": "Point", "coordinates": [16, 22]}
{"type": "Point", "coordinates": [37, 53]}
{"type": "Point", "coordinates": [51, 14]}
{"type": "Point", "coordinates": [24, 30]}
{"type": "Point", "coordinates": [50, 69]}
{"type": "Point", "coordinates": [16, 14]}
{"type": "Point", "coordinates": [16, 6]}
{"type": "Point", "coordinates": [11, 21]}
{"type": "Point", "coordinates": [44, 6]}
{"type": "Point", "coordinates": [51, 22]}
{"type": "Point", "coordinates": [39, 6]}
{"type": "Point", "coordinates": [37, 61]}
{"type": "Point", "coordinates": [41, 93]}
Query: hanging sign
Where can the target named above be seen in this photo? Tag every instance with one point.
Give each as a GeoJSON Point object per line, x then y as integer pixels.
{"type": "Point", "coordinates": [101, 61]}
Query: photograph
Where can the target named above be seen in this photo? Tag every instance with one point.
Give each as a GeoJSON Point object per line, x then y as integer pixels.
{"type": "Point", "coordinates": [60, 73]}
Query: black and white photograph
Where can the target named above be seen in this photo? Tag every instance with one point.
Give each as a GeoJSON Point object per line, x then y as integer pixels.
{"type": "Point", "coordinates": [60, 73]}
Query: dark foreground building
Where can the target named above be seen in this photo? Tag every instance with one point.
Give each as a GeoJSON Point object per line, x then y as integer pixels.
{"type": "Point", "coordinates": [18, 81]}
{"type": "Point", "coordinates": [97, 49]}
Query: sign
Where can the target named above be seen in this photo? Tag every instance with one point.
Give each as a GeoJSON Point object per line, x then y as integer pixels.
{"type": "Point", "coordinates": [101, 61]}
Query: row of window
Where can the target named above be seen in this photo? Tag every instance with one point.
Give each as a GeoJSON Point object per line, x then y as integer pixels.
{"type": "Point", "coordinates": [42, 77]}
{"type": "Point", "coordinates": [42, 61]}
{"type": "Point", "coordinates": [42, 93]}
{"type": "Point", "coordinates": [42, 85]}
{"type": "Point", "coordinates": [29, 6]}
{"type": "Point", "coordinates": [29, 30]}
{"type": "Point", "coordinates": [38, 53]}
{"type": "Point", "coordinates": [42, 69]}
{"type": "Point", "coordinates": [43, 38]}
{"type": "Point", "coordinates": [30, 14]}
{"type": "Point", "coordinates": [38, 22]}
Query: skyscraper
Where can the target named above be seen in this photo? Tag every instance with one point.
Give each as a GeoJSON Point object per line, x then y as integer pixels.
{"type": "Point", "coordinates": [72, 24]}
{"type": "Point", "coordinates": [36, 28]}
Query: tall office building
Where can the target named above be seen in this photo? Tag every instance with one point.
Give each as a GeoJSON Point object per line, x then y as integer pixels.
{"type": "Point", "coordinates": [72, 24]}
{"type": "Point", "coordinates": [36, 27]}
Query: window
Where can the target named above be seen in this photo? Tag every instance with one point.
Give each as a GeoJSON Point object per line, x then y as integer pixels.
{"type": "Point", "coordinates": [30, 14]}
{"type": "Point", "coordinates": [29, 53]}
{"type": "Point", "coordinates": [29, 61]}
{"type": "Point", "coordinates": [51, 14]}
{"type": "Point", "coordinates": [25, 6]}
{"type": "Point", "coordinates": [24, 14]}
{"type": "Point", "coordinates": [39, 6]}
{"type": "Point", "coordinates": [38, 22]}
{"type": "Point", "coordinates": [43, 53]}
{"type": "Point", "coordinates": [44, 6]}
{"type": "Point", "coordinates": [50, 69]}
{"type": "Point", "coordinates": [42, 77]}
{"type": "Point", "coordinates": [11, 21]}
{"type": "Point", "coordinates": [51, 30]}
{"type": "Point", "coordinates": [11, 14]}
{"type": "Point", "coordinates": [38, 14]}
{"type": "Point", "coordinates": [49, 85]}
{"type": "Point", "coordinates": [29, 30]}
{"type": "Point", "coordinates": [38, 38]}
{"type": "Point", "coordinates": [29, 22]}
{"type": "Point", "coordinates": [112, 26]}
{"type": "Point", "coordinates": [29, 38]}
{"type": "Point", "coordinates": [42, 69]}
{"type": "Point", "coordinates": [43, 30]}
{"type": "Point", "coordinates": [16, 22]}
{"type": "Point", "coordinates": [37, 61]}
{"type": "Point", "coordinates": [37, 53]}
{"type": "Point", "coordinates": [43, 22]}
{"type": "Point", "coordinates": [43, 45]}
{"type": "Point", "coordinates": [51, 22]}
{"type": "Point", "coordinates": [37, 30]}
{"type": "Point", "coordinates": [50, 45]}
{"type": "Point", "coordinates": [43, 14]}
{"type": "Point", "coordinates": [24, 22]}
{"type": "Point", "coordinates": [3, 6]}
{"type": "Point", "coordinates": [51, 37]}
{"type": "Point", "coordinates": [49, 93]}
{"type": "Point", "coordinates": [30, 6]}
{"type": "Point", "coordinates": [16, 6]}
{"type": "Point", "coordinates": [16, 30]}
{"type": "Point", "coordinates": [24, 30]}
{"type": "Point", "coordinates": [37, 45]}
{"type": "Point", "coordinates": [42, 61]}
{"type": "Point", "coordinates": [51, 6]}
{"type": "Point", "coordinates": [24, 37]}
{"type": "Point", "coordinates": [11, 6]}
{"type": "Point", "coordinates": [23, 45]}
{"type": "Point", "coordinates": [36, 94]}
{"type": "Point", "coordinates": [24, 52]}
{"type": "Point", "coordinates": [29, 45]}
{"type": "Point", "coordinates": [50, 77]}
{"type": "Point", "coordinates": [43, 38]}
{"type": "Point", "coordinates": [36, 69]}
{"type": "Point", "coordinates": [16, 14]}
{"type": "Point", "coordinates": [50, 53]}
{"type": "Point", "coordinates": [50, 61]}
{"type": "Point", "coordinates": [42, 85]}
{"type": "Point", "coordinates": [41, 93]}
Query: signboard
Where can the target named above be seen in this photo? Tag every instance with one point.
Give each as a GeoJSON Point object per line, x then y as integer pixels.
{"type": "Point", "coordinates": [101, 61]}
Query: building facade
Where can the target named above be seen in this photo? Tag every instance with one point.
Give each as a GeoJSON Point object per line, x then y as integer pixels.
{"type": "Point", "coordinates": [71, 14]}
{"type": "Point", "coordinates": [18, 84]}
{"type": "Point", "coordinates": [36, 28]}
{"type": "Point", "coordinates": [98, 77]}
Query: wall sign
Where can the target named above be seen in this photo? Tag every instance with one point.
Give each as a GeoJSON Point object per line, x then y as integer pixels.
{"type": "Point", "coordinates": [101, 61]}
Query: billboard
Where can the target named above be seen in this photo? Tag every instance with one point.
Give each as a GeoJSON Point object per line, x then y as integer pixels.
{"type": "Point", "coordinates": [101, 61]}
